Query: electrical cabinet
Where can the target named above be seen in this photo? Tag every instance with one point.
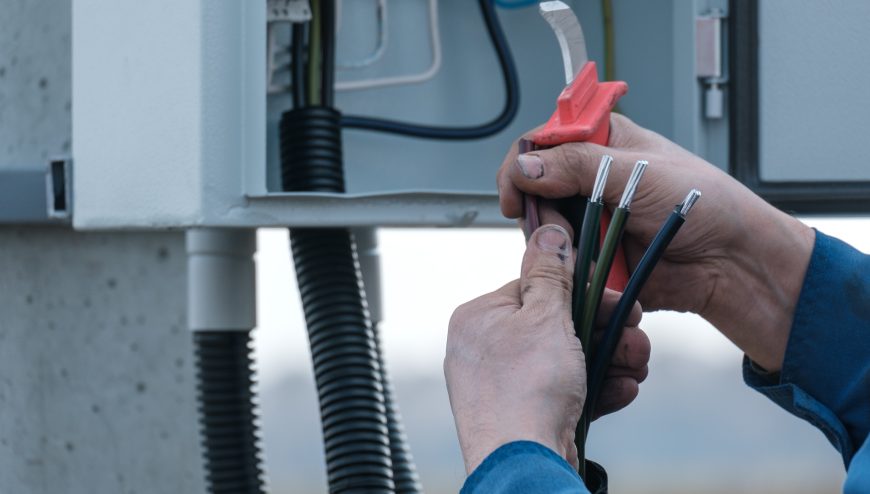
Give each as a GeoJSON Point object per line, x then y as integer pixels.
{"type": "Point", "coordinates": [173, 125]}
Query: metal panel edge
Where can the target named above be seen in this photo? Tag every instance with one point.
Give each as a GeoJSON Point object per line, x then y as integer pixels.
{"type": "Point", "coordinates": [827, 197]}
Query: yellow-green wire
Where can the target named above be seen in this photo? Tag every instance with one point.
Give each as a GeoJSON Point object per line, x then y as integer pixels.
{"type": "Point", "coordinates": [612, 239]}
{"type": "Point", "coordinates": [600, 274]}
{"type": "Point", "coordinates": [585, 247]}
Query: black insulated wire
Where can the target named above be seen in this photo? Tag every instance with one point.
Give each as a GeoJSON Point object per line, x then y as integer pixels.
{"type": "Point", "coordinates": [327, 35]}
{"type": "Point", "coordinates": [228, 417]}
{"type": "Point", "coordinates": [297, 65]}
{"type": "Point", "coordinates": [612, 334]}
{"type": "Point", "coordinates": [499, 123]}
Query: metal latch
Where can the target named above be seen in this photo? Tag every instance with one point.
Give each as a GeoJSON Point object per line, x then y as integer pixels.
{"type": "Point", "coordinates": [709, 67]}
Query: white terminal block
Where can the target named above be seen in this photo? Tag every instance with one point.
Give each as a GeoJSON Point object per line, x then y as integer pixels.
{"type": "Point", "coordinates": [170, 129]}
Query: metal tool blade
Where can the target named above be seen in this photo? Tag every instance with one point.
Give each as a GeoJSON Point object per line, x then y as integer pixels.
{"type": "Point", "coordinates": [570, 35]}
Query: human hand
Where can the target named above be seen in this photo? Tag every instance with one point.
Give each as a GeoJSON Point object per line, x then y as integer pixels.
{"type": "Point", "coordinates": [738, 261]}
{"type": "Point", "coordinates": [514, 368]}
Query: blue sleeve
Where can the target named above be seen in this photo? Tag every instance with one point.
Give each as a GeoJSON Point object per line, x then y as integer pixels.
{"type": "Point", "coordinates": [825, 378]}
{"type": "Point", "coordinates": [524, 467]}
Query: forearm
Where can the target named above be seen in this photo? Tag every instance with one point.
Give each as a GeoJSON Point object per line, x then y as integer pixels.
{"type": "Point", "coordinates": [826, 368]}
{"type": "Point", "coordinates": [756, 290]}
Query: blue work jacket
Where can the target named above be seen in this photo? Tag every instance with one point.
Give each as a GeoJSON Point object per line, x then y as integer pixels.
{"type": "Point", "coordinates": [825, 380]}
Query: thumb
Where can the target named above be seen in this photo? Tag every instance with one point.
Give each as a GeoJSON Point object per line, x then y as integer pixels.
{"type": "Point", "coordinates": [546, 277]}
{"type": "Point", "coordinates": [570, 169]}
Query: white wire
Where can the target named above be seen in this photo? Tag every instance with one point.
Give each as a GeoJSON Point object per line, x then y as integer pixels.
{"type": "Point", "coordinates": [382, 42]}
{"type": "Point", "coordinates": [434, 67]}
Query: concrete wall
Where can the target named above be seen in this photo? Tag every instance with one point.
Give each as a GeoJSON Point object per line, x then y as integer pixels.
{"type": "Point", "coordinates": [96, 376]}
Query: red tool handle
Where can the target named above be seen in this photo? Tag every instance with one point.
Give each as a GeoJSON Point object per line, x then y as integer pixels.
{"type": "Point", "coordinates": [583, 115]}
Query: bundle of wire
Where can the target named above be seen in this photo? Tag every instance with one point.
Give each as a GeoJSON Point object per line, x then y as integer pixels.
{"type": "Point", "coordinates": [587, 297]}
{"type": "Point", "coordinates": [607, 345]}
{"type": "Point", "coordinates": [364, 443]}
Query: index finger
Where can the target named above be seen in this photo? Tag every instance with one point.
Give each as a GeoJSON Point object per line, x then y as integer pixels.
{"type": "Point", "coordinates": [510, 198]}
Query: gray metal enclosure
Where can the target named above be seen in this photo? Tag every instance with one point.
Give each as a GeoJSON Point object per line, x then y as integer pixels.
{"type": "Point", "coordinates": [96, 381]}
{"type": "Point", "coordinates": [97, 391]}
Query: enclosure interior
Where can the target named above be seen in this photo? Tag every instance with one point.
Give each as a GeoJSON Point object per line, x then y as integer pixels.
{"type": "Point", "coordinates": [654, 53]}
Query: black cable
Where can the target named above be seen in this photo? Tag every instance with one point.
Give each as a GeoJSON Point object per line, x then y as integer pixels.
{"type": "Point", "coordinates": [343, 348]}
{"type": "Point", "coordinates": [404, 470]}
{"type": "Point", "coordinates": [297, 66]}
{"type": "Point", "coordinates": [509, 111]}
{"type": "Point", "coordinates": [228, 416]}
{"type": "Point", "coordinates": [609, 341]}
{"type": "Point", "coordinates": [366, 448]}
{"type": "Point", "coordinates": [327, 64]}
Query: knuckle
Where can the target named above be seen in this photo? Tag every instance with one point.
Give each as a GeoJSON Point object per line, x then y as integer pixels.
{"type": "Point", "coordinates": [553, 275]}
{"type": "Point", "coordinates": [579, 153]}
{"type": "Point", "coordinates": [460, 317]}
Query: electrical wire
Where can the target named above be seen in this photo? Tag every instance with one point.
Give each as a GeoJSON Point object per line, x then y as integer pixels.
{"type": "Point", "coordinates": [607, 20]}
{"type": "Point", "coordinates": [314, 55]}
{"type": "Point", "coordinates": [327, 46]}
{"type": "Point", "coordinates": [587, 243]}
{"type": "Point", "coordinates": [613, 332]}
{"type": "Point", "coordinates": [509, 111]}
{"type": "Point", "coordinates": [382, 42]}
{"type": "Point", "coordinates": [428, 74]}
{"type": "Point", "coordinates": [611, 242]}
{"type": "Point", "coordinates": [609, 45]}
{"type": "Point", "coordinates": [365, 447]}
{"type": "Point", "coordinates": [297, 66]}
{"type": "Point", "coordinates": [612, 239]}
{"type": "Point", "coordinates": [516, 4]}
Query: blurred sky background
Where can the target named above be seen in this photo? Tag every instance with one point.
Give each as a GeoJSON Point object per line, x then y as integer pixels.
{"type": "Point", "coordinates": [694, 428]}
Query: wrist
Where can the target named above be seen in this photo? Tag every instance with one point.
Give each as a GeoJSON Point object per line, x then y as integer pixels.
{"type": "Point", "coordinates": [483, 441]}
{"type": "Point", "coordinates": [758, 288]}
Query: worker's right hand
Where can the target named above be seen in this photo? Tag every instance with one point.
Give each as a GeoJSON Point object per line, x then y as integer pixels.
{"type": "Point", "coordinates": [738, 261]}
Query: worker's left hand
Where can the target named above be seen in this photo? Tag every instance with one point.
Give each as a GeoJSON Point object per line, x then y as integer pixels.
{"type": "Point", "coordinates": [515, 369]}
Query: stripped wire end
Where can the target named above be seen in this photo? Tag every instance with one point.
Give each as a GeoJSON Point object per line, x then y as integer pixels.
{"type": "Point", "coordinates": [601, 179]}
{"type": "Point", "coordinates": [689, 202]}
{"type": "Point", "coordinates": [631, 186]}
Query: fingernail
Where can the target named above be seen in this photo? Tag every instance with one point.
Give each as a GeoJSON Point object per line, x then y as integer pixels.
{"type": "Point", "coordinates": [530, 165]}
{"type": "Point", "coordinates": [554, 238]}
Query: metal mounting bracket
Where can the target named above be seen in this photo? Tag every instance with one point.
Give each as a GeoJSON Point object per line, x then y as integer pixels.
{"type": "Point", "coordinates": [33, 195]}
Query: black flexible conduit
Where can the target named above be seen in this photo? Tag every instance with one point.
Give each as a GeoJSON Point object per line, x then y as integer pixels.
{"type": "Point", "coordinates": [404, 471]}
{"type": "Point", "coordinates": [365, 446]}
{"type": "Point", "coordinates": [227, 412]}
